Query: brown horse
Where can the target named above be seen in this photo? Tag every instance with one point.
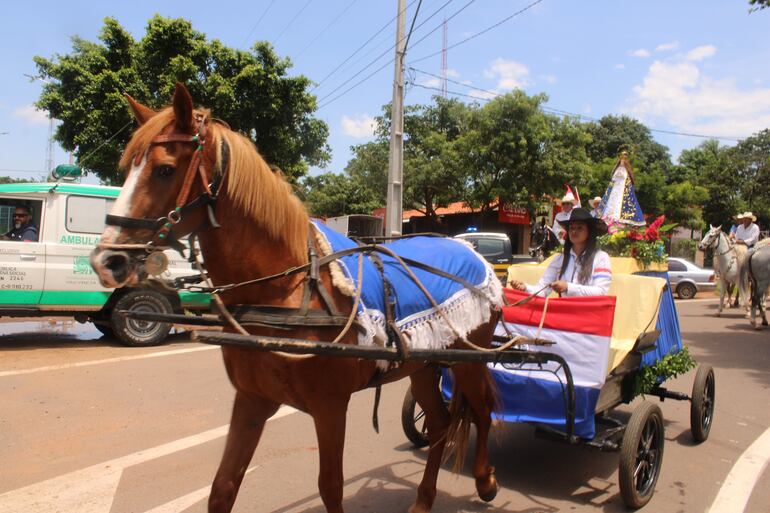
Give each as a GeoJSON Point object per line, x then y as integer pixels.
{"type": "Point", "coordinates": [174, 155]}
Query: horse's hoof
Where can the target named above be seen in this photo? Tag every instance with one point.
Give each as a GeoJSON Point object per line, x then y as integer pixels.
{"type": "Point", "coordinates": [489, 492]}
{"type": "Point", "coordinates": [718, 314]}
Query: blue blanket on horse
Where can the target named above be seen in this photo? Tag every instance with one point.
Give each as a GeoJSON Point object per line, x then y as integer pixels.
{"type": "Point", "coordinates": [418, 320]}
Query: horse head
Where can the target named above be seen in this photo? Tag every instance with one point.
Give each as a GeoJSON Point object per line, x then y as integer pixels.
{"type": "Point", "coordinates": [170, 162]}
{"type": "Point", "coordinates": [711, 237]}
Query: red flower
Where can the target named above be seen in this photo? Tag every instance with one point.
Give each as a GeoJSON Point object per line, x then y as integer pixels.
{"type": "Point", "coordinates": [633, 251]}
{"type": "Point", "coordinates": [651, 233]}
{"type": "Point", "coordinates": [635, 235]}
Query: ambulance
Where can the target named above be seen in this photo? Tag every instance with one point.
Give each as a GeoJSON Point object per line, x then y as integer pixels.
{"type": "Point", "coordinates": [52, 276]}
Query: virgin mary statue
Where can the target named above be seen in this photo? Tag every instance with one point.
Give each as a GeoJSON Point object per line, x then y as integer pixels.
{"type": "Point", "coordinates": [619, 204]}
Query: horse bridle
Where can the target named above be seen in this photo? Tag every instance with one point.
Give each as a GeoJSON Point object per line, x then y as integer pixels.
{"type": "Point", "coordinates": [164, 237]}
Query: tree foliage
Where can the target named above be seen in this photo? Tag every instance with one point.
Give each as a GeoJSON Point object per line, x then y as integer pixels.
{"type": "Point", "coordinates": [251, 90]}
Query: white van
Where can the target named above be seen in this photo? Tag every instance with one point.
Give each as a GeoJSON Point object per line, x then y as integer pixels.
{"type": "Point", "coordinates": [52, 277]}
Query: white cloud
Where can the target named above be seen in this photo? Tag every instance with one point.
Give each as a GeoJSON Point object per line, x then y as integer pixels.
{"type": "Point", "coordinates": [680, 94]}
{"type": "Point", "coordinates": [31, 115]}
{"type": "Point", "coordinates": [587, 109]}
{"type": "Point", "coordinates": [701, 52]}
{"type": "Point", "coordinates": [483, 95]}
{"type": "Point", "coordinates": [509, 74]}
{"type": "Point", "coordinates": [639, 52]}
{"type": "Point", "coordinates": [360, 127]}
{"type": "Point", "coordinates": [673, 45]}
{"type": "Point", "coordinates": [452, 73]}
{"type": "Point", "coordinates": [551, 79]}
{"type": "Point", "coordinates": [431, 82]}
{"type": "Point", "coordinates": [620, 66]}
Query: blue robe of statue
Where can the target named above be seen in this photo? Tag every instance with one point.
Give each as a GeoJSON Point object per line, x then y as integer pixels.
{"type": "Point", "coordinates": [619, 204]}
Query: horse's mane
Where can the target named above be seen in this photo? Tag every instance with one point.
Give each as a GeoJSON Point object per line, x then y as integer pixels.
{"type": "Point", "coordinates": [253, 187]}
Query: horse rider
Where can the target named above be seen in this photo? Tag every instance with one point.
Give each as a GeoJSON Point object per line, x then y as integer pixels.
{"type": "Point", "coordinates": [23, 228]}
{"type": "Point", "coordinates": [567, 203]}
{"type": "Point", "coordinates": [595, 202]}
{"type": "Point", "coordinates": [581, 269]}
{"type": "Point", "coordinates": [747, 233]}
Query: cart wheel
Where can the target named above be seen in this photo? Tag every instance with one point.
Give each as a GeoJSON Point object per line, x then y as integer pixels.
{"type": "Point", "coordinates": [702, 403]}
{"type": "Point", "coordinates": [413, 420]}
{"type": "Point", "coordinates": [641, 455]}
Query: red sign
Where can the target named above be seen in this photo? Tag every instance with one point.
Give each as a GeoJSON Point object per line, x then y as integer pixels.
{"type": "Point", "coordinates": [508, 213]}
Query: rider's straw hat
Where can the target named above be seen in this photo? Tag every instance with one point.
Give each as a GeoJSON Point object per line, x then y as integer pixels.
{"type": "Point", "coordinates": [738, 216]}
{"type": "Point", "coordinates": [568, 198]}
{"type": "Point", "coordinates": [747, 215]}
{"type": "Point", "coordinates": [595, 201]}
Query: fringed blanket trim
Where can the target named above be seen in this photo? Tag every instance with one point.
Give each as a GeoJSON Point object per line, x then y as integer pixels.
{"type": "Point", "coordinates": [428, 329]}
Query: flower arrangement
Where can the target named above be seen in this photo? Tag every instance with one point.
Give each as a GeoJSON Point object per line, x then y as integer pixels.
{"type": "Point", "coordinates": [646, 246]}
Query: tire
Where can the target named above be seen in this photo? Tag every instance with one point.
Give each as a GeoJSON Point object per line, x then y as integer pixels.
{"type": "Point", "coordinates": [412, 416]}
{"type": "Point", "coordinates": [702, 403]}
{"type": "Point", "coordinates": [686, 291]}
{"type": "Point", "coordinates": [641, 455]}
{"type": "Point", "coordinates": [136, 333]}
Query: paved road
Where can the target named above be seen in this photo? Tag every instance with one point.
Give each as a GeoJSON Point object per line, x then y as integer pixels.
{"type": "Point", "coordinates": [90, 426]}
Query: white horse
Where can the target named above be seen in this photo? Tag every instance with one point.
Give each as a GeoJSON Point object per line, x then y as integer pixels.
{"type": "Point", "coordinates": [756, 270]}
{"type": "Point", "coordinates": [728, 259]}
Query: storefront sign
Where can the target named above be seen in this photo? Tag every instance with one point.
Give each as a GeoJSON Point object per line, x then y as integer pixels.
{"type": "Point", "coordinates": [509, 213]}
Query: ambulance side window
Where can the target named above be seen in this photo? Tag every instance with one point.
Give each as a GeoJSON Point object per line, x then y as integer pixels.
{"type": "Point", "coordinates": [85, 214]}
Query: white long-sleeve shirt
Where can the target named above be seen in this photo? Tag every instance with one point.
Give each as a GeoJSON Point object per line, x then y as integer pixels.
{"type": "Point", "coordinates": [598, 285]}
{"type": "Point", "coordinates": [748, 235]}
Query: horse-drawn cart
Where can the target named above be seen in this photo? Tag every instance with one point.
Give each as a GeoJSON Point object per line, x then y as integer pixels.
{"type": "Point", "coordinates": [604, 345]}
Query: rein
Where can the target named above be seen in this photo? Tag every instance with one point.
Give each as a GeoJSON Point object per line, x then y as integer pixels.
{"type": "Point", "coordinates": [164, 237]}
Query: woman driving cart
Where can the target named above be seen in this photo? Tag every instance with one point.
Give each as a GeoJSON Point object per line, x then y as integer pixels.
{"type": "Point", "coordinates": [581, 269]}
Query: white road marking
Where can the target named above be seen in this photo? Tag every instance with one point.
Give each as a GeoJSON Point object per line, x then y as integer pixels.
{"type": "Point", "coordinates": [737, 487]}
{"type": "Point", "coordinates": [157, 354]}
{"type": "Point", "coordinates": [688, 301]}
{"type": "Point", "coordinates": [182, 503]}
{"type": "Point", "coordinates": [92, 489]}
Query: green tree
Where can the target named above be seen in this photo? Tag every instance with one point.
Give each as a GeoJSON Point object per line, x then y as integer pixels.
{"type": "Point", "coordinates": [758, 5]}
{"type": "Point", "coordinates": [251, 90]}
{"type": "Point", "coordinates": [333, 194]}
{"type": "Point", "coordinates": [515, 151]}
{"type": "Point", "coordinates": [751, 161]}
{"type": "Point", "coordinates": [711, 166]}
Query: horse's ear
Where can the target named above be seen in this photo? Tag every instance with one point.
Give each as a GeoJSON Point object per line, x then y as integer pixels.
{"type": "Point", "coordinates": [141, 113]}
{"type": "Point", "coordinates": [183, 108]}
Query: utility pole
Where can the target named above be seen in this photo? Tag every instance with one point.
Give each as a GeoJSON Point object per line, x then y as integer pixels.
{"type": "Point", "coordinates": [393, 218]}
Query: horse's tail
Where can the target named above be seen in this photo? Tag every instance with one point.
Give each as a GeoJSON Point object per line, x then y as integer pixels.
{"type": "Point", "coordinates": [461, 417]}
{"type": "Point", "coordinates": [746, 277]}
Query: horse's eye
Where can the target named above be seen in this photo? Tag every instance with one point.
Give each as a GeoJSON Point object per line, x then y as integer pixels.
{"type": "Point", "coordinates": [164, 171]}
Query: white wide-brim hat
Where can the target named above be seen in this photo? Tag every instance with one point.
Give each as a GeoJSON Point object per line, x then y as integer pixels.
{"type": "Point", "coordinates": [595, 201]}
{"type": "Point", "coordinates": [747, 215]}
{"type": "Point", "coordinates": [568, 198]}
{"type": "Point", "coordinates": [738, 216]}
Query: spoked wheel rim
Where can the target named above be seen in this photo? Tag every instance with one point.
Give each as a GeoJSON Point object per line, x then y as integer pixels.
{"type": "Point", "coordinates": [707, 404]}
{"type": "Point", "coordinates": [419, 421]}
{"type": "Point", "coordinates": [648, 456]}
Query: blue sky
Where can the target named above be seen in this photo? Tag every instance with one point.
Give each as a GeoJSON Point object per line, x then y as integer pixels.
{"type": "Point", "coordinates": [692, 66]}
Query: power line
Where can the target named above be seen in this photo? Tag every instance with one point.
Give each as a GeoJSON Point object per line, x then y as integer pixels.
{"type": "Point", "coordinates": [256, 24]}
{"type": "Point", "coordinates": [335, 98]}
{"type": "Point", "coordinates": [327, 27]}
{"type": "Point", "coordinates": [552, 110]}
{"type": "Point", "coordinates": [482, 32]}
{"type": "Point", "coordinates": [80, 160]}
{"type": "Point", "coordinates": [358, 49]}
{"type": "Point", "coordinates": [291, 22]}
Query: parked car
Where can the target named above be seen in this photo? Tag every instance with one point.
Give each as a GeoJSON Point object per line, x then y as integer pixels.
{"type": "Point", "coordinates": [52, 276]}
{"type": "Point", "coordinates": [496, 249]}
{"type": "Point", "coordinates": [687, 279]}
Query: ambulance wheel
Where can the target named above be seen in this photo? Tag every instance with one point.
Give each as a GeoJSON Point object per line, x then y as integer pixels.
{"type": "Point", "coordinates": [641, 455]}
{"type": "Point", "coordinates": [137, 333]}
{"type": "Point", "coordinates": [413, 420]}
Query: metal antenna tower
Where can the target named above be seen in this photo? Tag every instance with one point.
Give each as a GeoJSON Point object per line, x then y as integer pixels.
{"type": "Point", "coordinates": [443, 61]}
